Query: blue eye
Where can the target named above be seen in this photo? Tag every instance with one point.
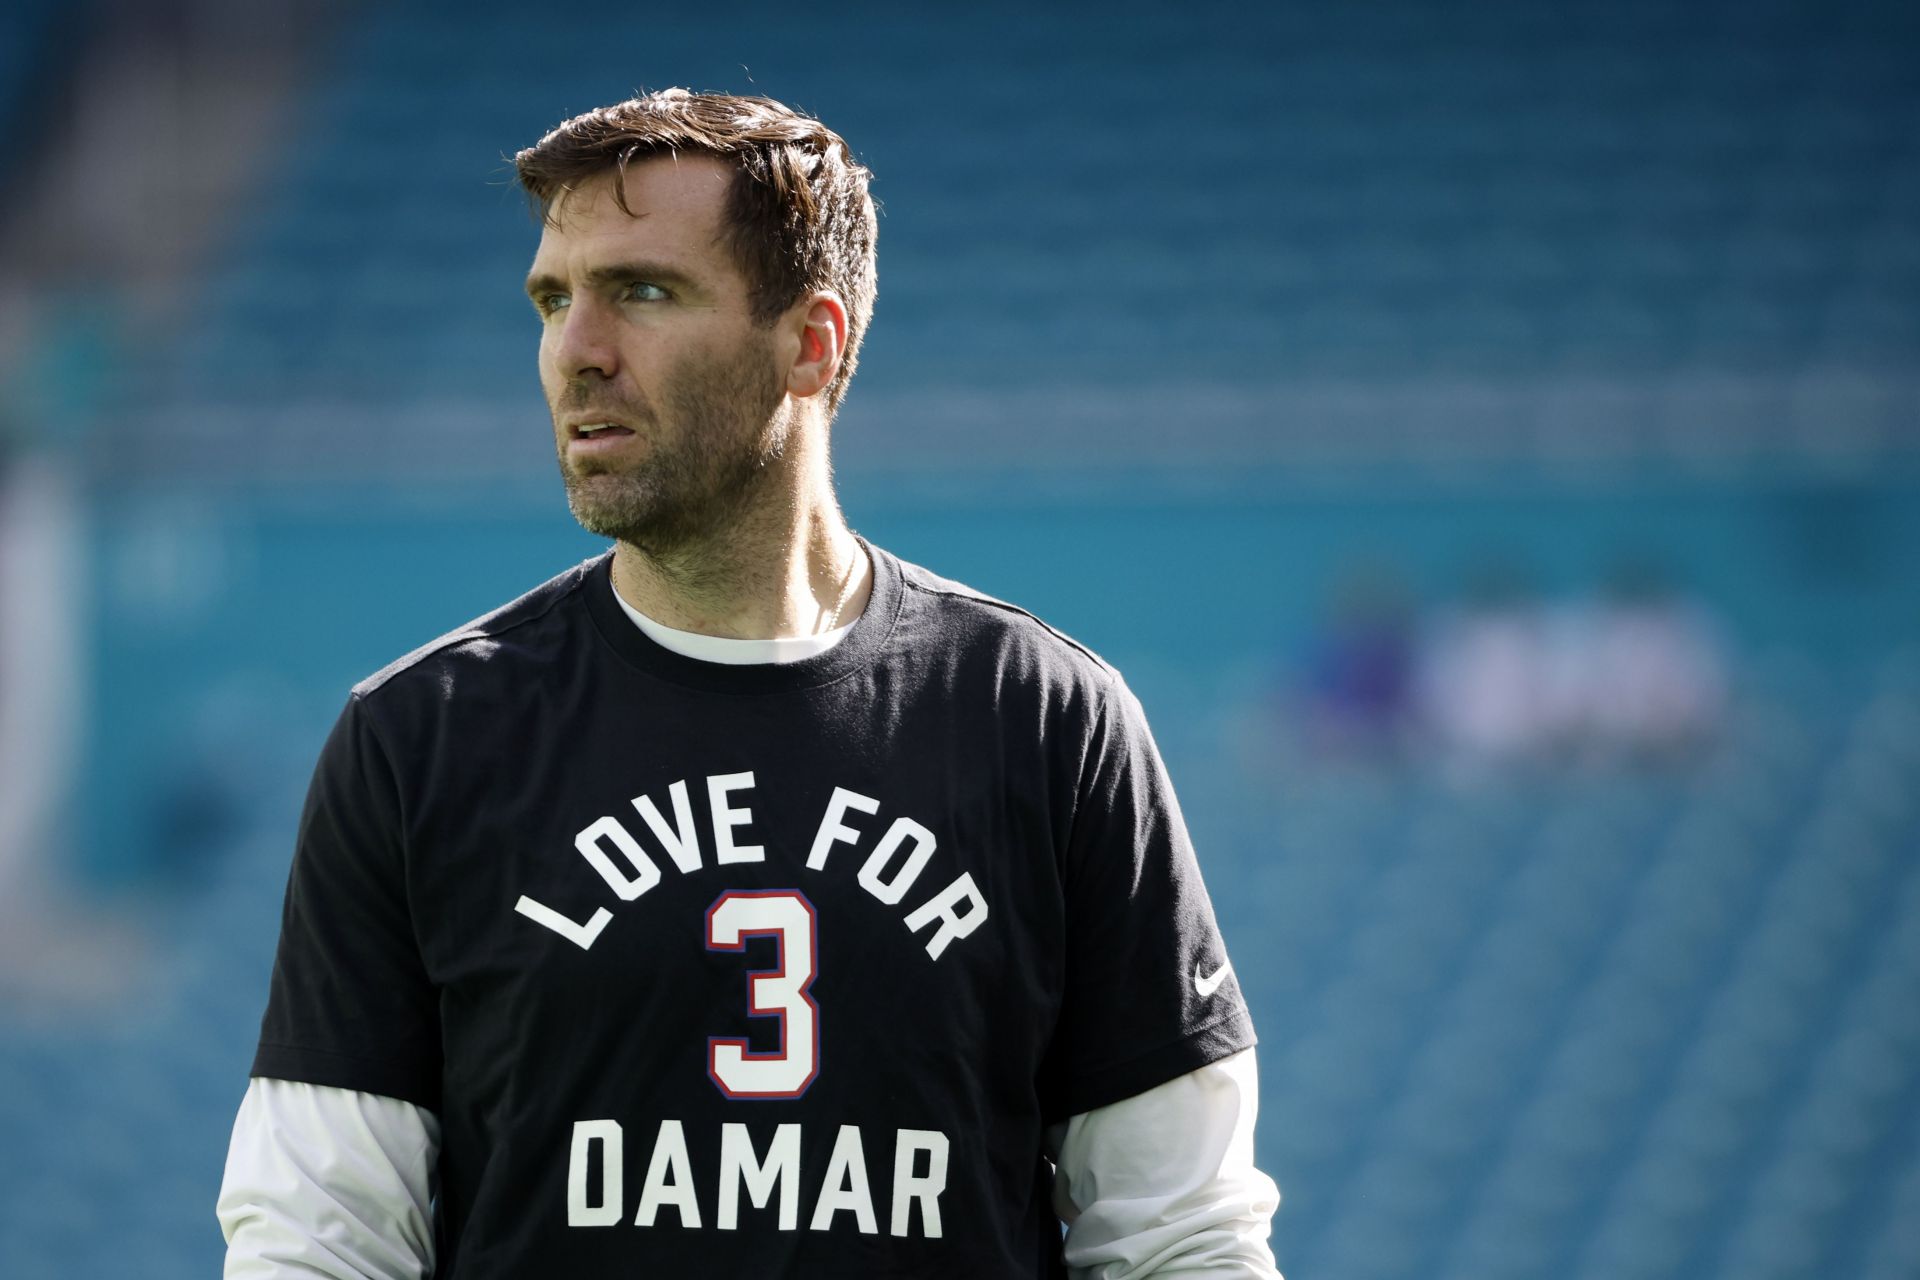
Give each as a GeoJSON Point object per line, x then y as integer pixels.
{"type": "Point", "coordinates": [641, 291]}
{"type": "Point", "coordinates": [548, 303]}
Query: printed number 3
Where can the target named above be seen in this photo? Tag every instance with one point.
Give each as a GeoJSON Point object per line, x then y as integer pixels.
{"type": "Point", "coordinates": [779, 992]}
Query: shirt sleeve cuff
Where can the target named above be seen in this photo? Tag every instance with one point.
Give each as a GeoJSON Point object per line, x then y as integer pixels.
{"type": "Point", "coordinates": [341, 1071]}
{"type": "Point", "coordinates": [1087, 1089]}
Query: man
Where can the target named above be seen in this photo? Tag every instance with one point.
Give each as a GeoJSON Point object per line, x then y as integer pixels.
{"type": "Point", "coordinates": [745, 901]}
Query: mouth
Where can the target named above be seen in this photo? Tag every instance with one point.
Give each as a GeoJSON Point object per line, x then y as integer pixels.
{"type": "Point", "coordinates": [597, 430]}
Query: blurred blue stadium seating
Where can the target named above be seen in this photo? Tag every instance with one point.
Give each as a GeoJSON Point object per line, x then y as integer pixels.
{"type": "Point", "coordinates": [1282, 194]}
{"type": "Point", "coordinates": [1606, 1026]}
{"type": "Point", "coordinates": [34, 39]}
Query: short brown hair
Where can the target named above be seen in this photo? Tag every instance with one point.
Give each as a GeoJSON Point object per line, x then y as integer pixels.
{"type": "Point", "coordinates": [798, 215]}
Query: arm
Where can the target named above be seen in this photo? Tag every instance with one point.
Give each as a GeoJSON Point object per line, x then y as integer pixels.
{"type": "Point", "coordinates": [328, 1183]}
{"type": "Point", "coordinates": [1153, 1055]}
{"type": "Point", "coordinates": [330, 1172]}
{"type": "Point", "coordinates": [1163, 1184]}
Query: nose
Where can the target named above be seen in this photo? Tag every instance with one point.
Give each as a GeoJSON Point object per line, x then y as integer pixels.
{"type": "Point", "coordinates": [584, 342]}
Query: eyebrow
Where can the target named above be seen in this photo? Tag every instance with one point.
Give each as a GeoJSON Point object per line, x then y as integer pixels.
{"type": "Point", "coordinates": [611, 274]}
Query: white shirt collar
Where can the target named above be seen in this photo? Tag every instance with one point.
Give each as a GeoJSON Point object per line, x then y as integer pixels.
{"type": "Point", "coordinates": [731, 652]}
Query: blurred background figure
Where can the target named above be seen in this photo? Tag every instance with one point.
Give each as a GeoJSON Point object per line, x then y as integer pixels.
{"type": "Point", "coordinates": [1633, 674]}
{"type": "Point", "coordinates": [1649, 675]}
{"type": "Point", "coordinates": [1487, 682]}
{"type": "Point", "coordinates": [1184, 313]}
{"type": "Point", "coordinates": [1359, 671]}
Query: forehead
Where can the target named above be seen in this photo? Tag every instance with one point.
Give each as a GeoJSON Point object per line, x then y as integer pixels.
{"type": "Point", "coordinates": [677, 204]}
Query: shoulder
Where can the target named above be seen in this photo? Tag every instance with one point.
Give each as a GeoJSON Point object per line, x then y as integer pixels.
{"type": "Point", "coordinates": [944, 610]}
{"type": "Point", "coordinates": [523, 627]}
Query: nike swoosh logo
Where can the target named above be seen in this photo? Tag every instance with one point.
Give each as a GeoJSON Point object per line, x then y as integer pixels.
{"type": "Point", "coordinates": [1208, 983]}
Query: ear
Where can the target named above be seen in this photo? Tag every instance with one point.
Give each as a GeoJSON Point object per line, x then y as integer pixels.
{"type": "Point", "coordinates": [823, 342]}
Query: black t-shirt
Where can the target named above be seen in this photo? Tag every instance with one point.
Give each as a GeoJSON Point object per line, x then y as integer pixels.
{"type": "Point", "coordinates": [761, 971]}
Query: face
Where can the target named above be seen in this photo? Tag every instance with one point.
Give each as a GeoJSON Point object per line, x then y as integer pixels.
{"type": "Point", "coordinates": [668, 399]}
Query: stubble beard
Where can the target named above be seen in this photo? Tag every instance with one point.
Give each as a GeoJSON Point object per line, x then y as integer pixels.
{"type": "Point", "coordinates": [721, 440]}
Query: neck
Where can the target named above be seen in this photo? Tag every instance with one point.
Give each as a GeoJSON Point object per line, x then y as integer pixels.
{"type": "Point", "coordinates": [788, 568]}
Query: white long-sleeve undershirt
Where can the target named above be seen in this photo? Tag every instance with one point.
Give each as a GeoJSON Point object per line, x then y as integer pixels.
{"type": "Point", "coordinates": [329, 1183]}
